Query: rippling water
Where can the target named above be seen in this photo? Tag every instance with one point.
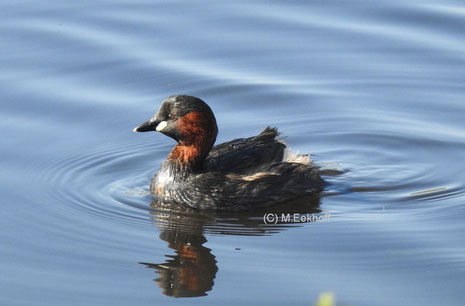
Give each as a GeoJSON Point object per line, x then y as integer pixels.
{"type": "Point", "coordinates": [374, 91]}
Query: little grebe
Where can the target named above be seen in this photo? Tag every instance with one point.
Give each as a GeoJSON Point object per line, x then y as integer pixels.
{"type": "Point", "coordinates": [240, 174]}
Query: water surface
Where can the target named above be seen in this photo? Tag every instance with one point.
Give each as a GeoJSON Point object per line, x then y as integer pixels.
{"type": "Point", "coordinates": [374, 91]}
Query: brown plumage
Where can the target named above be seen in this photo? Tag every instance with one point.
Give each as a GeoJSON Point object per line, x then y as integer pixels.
{"type": "Point", "coordinates": [239, 174]}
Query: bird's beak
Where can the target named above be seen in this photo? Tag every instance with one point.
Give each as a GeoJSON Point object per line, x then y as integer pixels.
{"type": "Point", "coordinates": [148, 126]}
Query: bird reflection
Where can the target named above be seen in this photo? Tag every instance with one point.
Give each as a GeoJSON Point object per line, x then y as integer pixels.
{"type": "Point", "coordinates": [191, 271]}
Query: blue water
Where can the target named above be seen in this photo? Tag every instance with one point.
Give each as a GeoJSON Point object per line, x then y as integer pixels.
{"type": "Point", "coordinates": [374, 91]}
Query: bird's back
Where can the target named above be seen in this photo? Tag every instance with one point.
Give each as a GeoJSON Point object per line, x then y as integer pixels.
{"type": "Point", "coordinates": [244, 155]}
{"type": "Point", "coordinates": [246, 173]}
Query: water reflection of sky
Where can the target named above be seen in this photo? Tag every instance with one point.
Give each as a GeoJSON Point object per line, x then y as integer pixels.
{"type": "Point", "coordinates": [374, 91]}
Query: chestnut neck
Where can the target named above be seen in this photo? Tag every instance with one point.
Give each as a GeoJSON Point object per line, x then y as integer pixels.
{"type": "Point", "coordinates": [198, 132]}
{"type": "Point", "coordinates": [189, 156]}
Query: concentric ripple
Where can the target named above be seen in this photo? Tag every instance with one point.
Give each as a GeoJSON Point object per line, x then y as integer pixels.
{"type": "Point", "coordinates": [108, 182]}
{"type": "Point", "coordinates": [111, 181]}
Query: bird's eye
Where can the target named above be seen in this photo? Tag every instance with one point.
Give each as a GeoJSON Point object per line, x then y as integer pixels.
{"type": "Point", "coordinates": [170, 117]}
